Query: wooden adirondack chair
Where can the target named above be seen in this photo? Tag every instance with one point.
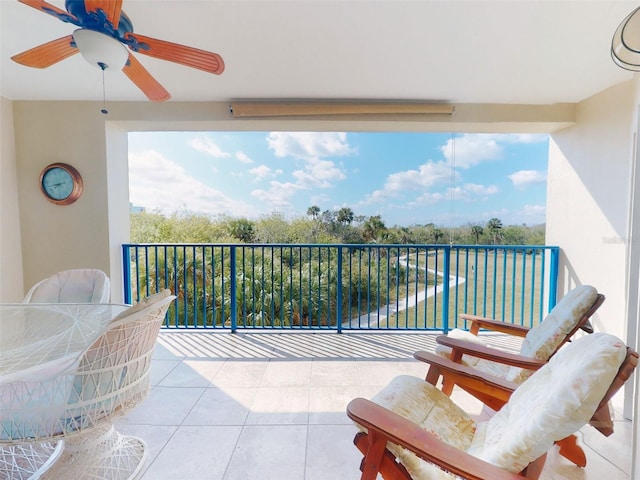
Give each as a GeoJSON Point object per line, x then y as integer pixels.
{"type": "Point", "coordinates": [540, 343]}
{"type": "Point", "coordinates": [411, 430]}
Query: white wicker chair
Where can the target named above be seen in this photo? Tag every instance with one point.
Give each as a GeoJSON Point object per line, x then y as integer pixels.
{"type": "Point", "coordinates": [110, 378]}
{"type": "Point", "coordinates": [68, 286]}
{"type": "Point", "coordinates": [71, 286]}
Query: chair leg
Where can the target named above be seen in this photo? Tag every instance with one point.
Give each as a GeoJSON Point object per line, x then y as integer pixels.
{"type": "Point", "coordinates": [99, 452]}
{"type": "Point", "coordinates": [570, 450]}
{"type": "Point", "coordinates": [29, 460]}
{"type": "Point", "coordinates": [447, 386]}
{"type": "Point", "coordinates": [378, 461]}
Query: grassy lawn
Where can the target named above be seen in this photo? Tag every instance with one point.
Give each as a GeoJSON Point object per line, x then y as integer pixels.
{"type": "Point", "coordinates": [502, 286]}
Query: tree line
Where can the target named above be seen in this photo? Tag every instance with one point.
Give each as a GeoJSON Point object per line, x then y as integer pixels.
{"type": "Point", "coordinates": [322, 227]}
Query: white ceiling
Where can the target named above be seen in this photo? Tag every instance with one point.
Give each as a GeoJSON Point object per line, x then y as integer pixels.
{"type": "Point", "coordinates": [478, 51]}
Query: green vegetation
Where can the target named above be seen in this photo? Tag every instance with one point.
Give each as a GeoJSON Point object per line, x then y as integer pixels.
{"type": "Point", "coordinates": [297, 285]}
{"type": "Point", "coordinates": [322, 227]}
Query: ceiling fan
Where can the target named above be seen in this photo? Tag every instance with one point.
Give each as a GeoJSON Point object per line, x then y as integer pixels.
{"type": "Point", "coordinates": [105, 32]}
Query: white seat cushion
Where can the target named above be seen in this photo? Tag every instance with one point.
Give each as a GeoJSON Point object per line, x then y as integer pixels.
{"type": "Point", "coordinates": [553, 403]}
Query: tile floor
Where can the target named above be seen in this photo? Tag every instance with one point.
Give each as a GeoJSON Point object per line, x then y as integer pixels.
{"type": "Point", "coordinates": [272, 406]}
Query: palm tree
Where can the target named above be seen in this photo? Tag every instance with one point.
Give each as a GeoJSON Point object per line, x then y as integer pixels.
{"type": "Point", "coordinates": [494, 226]}
{"type": "Point", "coordinates": [437, 235]}
{"type": "Point", "coordinates": [313, 211]}
{"type": "Point", "coordinates": [345, 215]}
{"type": "Point", "coordinates": [242, 229]}
{"type": "Point", "coordinates": [476, 231]}
{"type": "Point", "coordinates": [373, 228]}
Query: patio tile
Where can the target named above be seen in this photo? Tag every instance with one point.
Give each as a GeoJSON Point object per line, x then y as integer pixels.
{"type": "Point", "coordinates": [192, 373]}
{"type": "Point", "coordinates": [327, 373]}
{"type": "Point", "coordinates": [331, 453]}
{"type": "Point", "coordinates": [195, 452]}
{"type": "Point", "coordinates": [216, 406]}
{"type": "Point", "coordinates": [235, 373]}
{"type": "Point", "coordinates": [287, 374]}
{"type": "Point", "coordinates": [267, 408]}
{"type": "Point", "coordinates": [280, 406]}
{"type": "Point", "coordinates": [273, 453]}
{"type": "Point", "coordinates": [155, 437]}
{"type": "Point", "coordinates": [328, 405]}
{"type": "Point", "coordinates": [380, 373]}
{"type": "Point", "coordinates": [615, 448]}
{"type": "Point", "coordinates": [160, 369]}
{"type": "Point", "coordinates": [164, 406]}
{"type": "Point", "coordinates": [558, 468]}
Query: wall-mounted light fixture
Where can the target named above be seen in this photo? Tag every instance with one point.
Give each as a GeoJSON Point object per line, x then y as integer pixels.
{"type": "Point", "coordinates": [287, 108]}
{"type": "Point", "coordinates": [625, 46]}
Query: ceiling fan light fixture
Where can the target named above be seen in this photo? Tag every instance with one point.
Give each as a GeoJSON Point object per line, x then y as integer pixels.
{"type": "Point", "coordinates": [625, 45]}
{"type": "Point", "coordinates": [100, 50]}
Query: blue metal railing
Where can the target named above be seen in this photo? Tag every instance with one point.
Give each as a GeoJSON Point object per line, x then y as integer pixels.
{"type": "Point", "coordinates": [343, 287]}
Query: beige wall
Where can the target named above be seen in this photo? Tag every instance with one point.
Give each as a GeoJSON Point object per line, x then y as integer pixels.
{"type": "Point", "coordinates": [57, 237]}
{"type": "Point", "coordinates": [589, 198]}
{"type": "Point", "coordinates": [11, 284]}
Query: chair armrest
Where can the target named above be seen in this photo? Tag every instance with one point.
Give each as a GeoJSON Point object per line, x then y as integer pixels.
{"type": "Point", "coordinates": [466, 377]}
{"type": "Point", "coordinates": [460, 347]}
{"type": "Point", "coordinates": [478, 322]}
{"type": "Point", "coordinates": [400, 431]}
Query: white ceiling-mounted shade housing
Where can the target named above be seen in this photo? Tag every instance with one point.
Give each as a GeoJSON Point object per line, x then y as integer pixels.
{"type": "Point", "coordinates": [625, 46]}
{"type": "Point", "coordinates": [100, 50]}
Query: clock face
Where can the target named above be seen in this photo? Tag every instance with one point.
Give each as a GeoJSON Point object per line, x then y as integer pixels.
{"type": "Point", "coordinates": [61, 183]}
{"type": "Point", "coordinates": [57, 183]}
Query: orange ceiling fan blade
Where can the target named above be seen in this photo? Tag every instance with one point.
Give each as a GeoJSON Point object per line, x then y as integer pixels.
{"type": "Point", "coordinates": [47, 54]}
{"type": "Point", "coordinates": [111, 9]}
{"type": "Point", "coordinates": [144, 81]}
{"type": "Point", "coordinates": [48, 8]}
{"type": "Point", "coordinates": [174, 52]}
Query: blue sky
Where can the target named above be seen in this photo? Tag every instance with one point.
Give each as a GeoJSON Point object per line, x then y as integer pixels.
{"type": "Point", "coordinates": [407, 178]}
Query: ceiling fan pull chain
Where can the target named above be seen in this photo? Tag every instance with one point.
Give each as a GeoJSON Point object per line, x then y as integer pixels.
{"type": "Point", "coordinates": [104, 110]}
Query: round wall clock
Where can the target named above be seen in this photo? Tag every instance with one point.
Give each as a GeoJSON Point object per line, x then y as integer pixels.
{"type": "Point", "coordinates": [61, 183]}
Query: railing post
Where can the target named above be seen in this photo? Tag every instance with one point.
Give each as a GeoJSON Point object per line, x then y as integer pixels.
{"type": "Point", "coordinates": [553, 277]}
{"type": "Point", "coordinates": [234, 307]}
{"type": "Point", "coordinates": [445, 289]}
{"type": "Point", "coordinates": [126, 270]}
{"type": "Point", "coordinates": [339, 292]}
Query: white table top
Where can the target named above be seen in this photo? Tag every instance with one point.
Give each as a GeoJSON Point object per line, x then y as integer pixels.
{"type": "Point", "coordinates": [33, 335]}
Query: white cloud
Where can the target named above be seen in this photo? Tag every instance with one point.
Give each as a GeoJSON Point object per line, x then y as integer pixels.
{"type": "Point", "coordinates": [261, 172]}
{"type": "Point", "coordinates": [325, 170]}
{"type": "Point", "coordinates": [429, 199]}
{"type": "Point", "coordinates": [306, 181]}
{"type": "Point", "coordinates": [524, 178]}
{"type": "Point", "coordinates": [477, 189]}
{"type": "Point", "coordinates": [534, 214]}
{"type": "Point", "coordinates": [312, 148]}
{"type": "Point", "coordinates": [427, 175]}
{"type": "Point", "coordinates": [377, 196]}
{"type": "Point", "coordinates": [243, 157]}
{"type": "Point", "coordinates": [206, 145]}
{"type": "Point", "coordinates": [473, 148]}
{"type": "Point", "coordinates": [309, 145]}
{"type": "Point", "coordinates": [278, 195]}
{"type": "Point", "coordinates": [157, 183]}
